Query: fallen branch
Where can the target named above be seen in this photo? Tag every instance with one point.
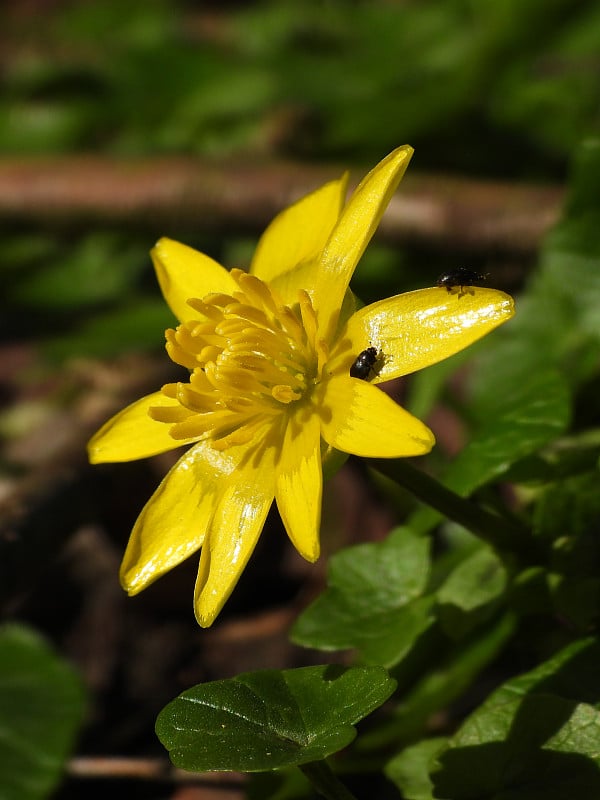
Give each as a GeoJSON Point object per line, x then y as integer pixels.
{"type": "Point", "coordinates": [149, 769]}
{"type": "Point", "coordinates": [171, 195]}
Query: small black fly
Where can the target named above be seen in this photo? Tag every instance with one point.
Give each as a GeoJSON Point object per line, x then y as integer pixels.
{"type": "Point", "coordinates": [461, 277]}
{"type": "Point", "coordinates": [364, 364]}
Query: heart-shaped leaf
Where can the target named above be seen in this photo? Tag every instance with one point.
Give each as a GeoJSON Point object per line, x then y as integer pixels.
{"type": "Point", "coordinates": [374, 602]}
{"type": "Point", "coordinates": [270, 719]}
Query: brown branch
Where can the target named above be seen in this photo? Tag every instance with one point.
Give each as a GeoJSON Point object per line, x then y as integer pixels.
{"type": "Point", "coordinates": [170, 195]}
{"type": "Point", "coordinates": [150, 769]}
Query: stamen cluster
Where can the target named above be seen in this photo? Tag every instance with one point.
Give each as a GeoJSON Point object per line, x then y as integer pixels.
{"type": "Point", "coordinates": [250, 356]}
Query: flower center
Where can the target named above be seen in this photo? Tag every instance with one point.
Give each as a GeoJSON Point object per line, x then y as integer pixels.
{"type": "Point", "coordinates": [251, 358]}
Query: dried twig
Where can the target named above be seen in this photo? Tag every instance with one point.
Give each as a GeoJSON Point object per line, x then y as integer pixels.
{"type": "Point", "coordinates": [150, 769]}
{"type": "Point", "coordinates": [172, 194]}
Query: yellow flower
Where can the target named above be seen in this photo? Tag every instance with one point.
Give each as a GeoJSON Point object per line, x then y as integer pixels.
{"type": "Point", "coordinates": [270, 392]}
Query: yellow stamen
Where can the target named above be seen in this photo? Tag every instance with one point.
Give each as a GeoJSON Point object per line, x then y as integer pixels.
{"type": "Point", "coordinates": [250, 357]}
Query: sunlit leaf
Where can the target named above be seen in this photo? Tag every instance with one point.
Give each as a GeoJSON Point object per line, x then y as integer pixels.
{"type": "Point", "coordinates": [535, 737]}
{"type": "Point", "coordinates": [410, 769]}
{"type": "Point", "coordinates": [374, 602]}
{"type": "Point", "coordinates": [270, 719]}
{"type": "Point", "coordinates": [471, 592]}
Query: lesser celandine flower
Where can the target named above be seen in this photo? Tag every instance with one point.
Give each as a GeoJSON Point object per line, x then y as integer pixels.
{"type": "Point", "coordinates": [270, 392]}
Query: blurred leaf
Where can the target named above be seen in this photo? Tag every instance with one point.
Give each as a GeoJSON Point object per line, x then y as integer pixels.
{"type": "Point", "coordinates": [518, 423]}
{"type": "Point", "coordinates": [138, 326]}
{"type": "Point", "coordinates": [409, 770]}
{"type": "Point", "coordinates": [570, 508]}
{"type": "Point", "coordinates": [471, 592]}
{"type": "Point", "coordinates": [41, 708]}
{"type": "Point", "coordinates": [536, 737]}
{"type": "Point", "coordinates": [426, 386]}
{"type": "Point", "coordinates": [311, 78]}
{"type": "Point", "coordinates": [567, 514]}
{"type": "Point", "coordinates": [33, 126]}
{"type": "Point", "coordinates": [529, 593]}
{"type": "Point", "coordinates": [447, 674]}
{"type": "Point", "coordinates": [374, 602]}
{"type": "Point", "coordinates": [559, 65]}
{"type": "Point", "coordinates": [540, 747]}
{"type": "Point", "coordinates": [570, 266]}
{"type": "Point", "coordinates": [283, 784]}
{"type": "Point", "coordinates": [557, 324]}
{"type": "Point", "coordinates": [100, 268]}
{"type": "Point", "coordinates": [521, 421]}
{"type": "Point", "coordinates": [270, 719]}
{"type": "Point", "coordinates": [584, 190]}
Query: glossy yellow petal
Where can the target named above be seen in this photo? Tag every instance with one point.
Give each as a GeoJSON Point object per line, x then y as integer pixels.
{"type": "Point", "coordinates": [359, 418]}
{"type": "Point", "coordinates": [298, 234]}
{"type": "Point", "coordinates": [133, 434]}
{"type": "Point", "coordinates": [174, 521]}
{"type": "Point", "coordinates": [238, 521]}
{"type": "Point", "coordinates": [351, 235]}
{"type": "Point", "coordinates": [416, 329]}
{"type": "Point", "coordinates": [298, 489]}
{"type": "Point", "coordinates": [288, 284]}
{"type": "Point", "coordinates": [184, 273]}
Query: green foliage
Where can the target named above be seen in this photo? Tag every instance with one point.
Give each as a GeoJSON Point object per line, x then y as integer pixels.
{"type": "Point", "coordinates": [410, 769]}
{"type": "Point", "coordinates": [375, 602]}
{"type": "Point", "coordinates": [456, 617]}
{"type": "Point", "coordinates": [41, 708]}
{"type": "Point", "coordinates": [472, 592]}
{"type": "Point", "coordinates": [140, 325]}
{"type": "Point", "coordinates": [535, 737]}
{"type": "Point", "coordinates": [344, 80]}
{"type": "Point", "coordinates": [501, 89]}
{"type": "Point", "coordinates": [268, 719]}
{"type": "Point", "coordinates": [348, 76]}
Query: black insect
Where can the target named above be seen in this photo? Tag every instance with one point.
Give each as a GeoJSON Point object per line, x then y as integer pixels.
{"type": "Point", "coordinates": [460, 277]}
{"type": "Point", "coordinates": [364, 363]}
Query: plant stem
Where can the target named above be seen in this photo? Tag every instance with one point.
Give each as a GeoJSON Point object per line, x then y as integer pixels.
{"type": "Point", "coordinates": [328, 785]}
{"type": "Point", "coordinates": [504, 535]}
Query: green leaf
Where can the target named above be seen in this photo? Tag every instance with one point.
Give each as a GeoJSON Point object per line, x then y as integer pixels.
{"type": "Point", "coordinates": [447, 677]}
{"type": "Point", "coordinates": [566, 515]}
{"type": "Point", "coordinates": [471, 592]}
{"type": "Point", "coordinates": [97, 269]}
{"type": "Point", "coordinates": [521, 421]}
{"type": "Point", "coordinates": [584, 190]}
{"type": "Point", "coordinates": [137, 326]}
{"type": "Point", "coordinates": [284, 784]}
{"type": "Point", "coordinates": [542, 748]}
{"type": "Point", "coordinates": [270, 719]}
{"type": "Point", "coordinates": [374, 602]}
{"type": "Point", "coordinates": [570, 269]}
{"type": "Point", "coordinates": [535, 737]}
{"type": "Point", "coordinates": [41, 708]}
{"type": "Point", "coordinates": [409, 770]}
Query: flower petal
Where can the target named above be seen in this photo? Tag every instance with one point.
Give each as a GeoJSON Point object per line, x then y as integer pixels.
{"type": "Point", "coordinates": [420, 328]}
{"type": "Point", "coordinates": [299, 484]}
{"type": "Point", "coordinates": [299, 233]}
{"type": "Point", "coordinates": [359, 418]}
{"type": "Point", "coordinates": [351, 235]}
{"type": "Point", "coordinates": [173, 522]}
{"type": "Point", "coordinates": [238, 521]}
{"type": "Point", "coordinates": [184, 273]}
{"type": "Point", "coordinates": [133, 434]}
